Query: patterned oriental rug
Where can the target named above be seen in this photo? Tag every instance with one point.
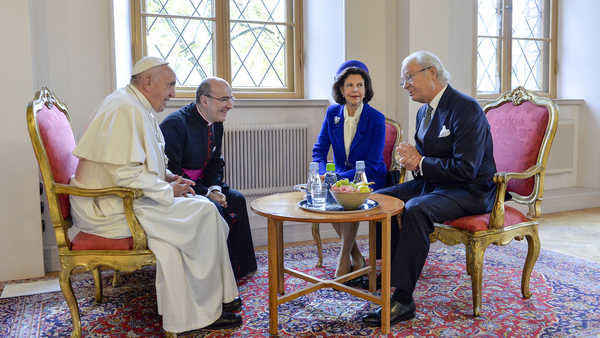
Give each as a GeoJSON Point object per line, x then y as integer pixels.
{"type": "Point", "coordinates": [565, 301]}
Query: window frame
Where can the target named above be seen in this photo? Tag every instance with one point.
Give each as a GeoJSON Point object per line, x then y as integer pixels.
{"type": "Point", "coordinates": [294, 81]}
{"type": "Point", "coordinates": [505, 59]}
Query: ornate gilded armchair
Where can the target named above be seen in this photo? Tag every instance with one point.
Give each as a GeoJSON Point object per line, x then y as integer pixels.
{"type": "Point", "coordinates": [53, 142]}
{"type": "Point", "coordinates": [523, 126]}
{"type": "Point", "coordinates": [393, 137]}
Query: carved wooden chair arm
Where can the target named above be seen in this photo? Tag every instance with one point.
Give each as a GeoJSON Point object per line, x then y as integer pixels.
{"type": "Point", "coordinates": [140, 242]}
{"type": "Point", "coordinates": [402, 175]}
{"type": "Point", "coordinates": [501, 179]}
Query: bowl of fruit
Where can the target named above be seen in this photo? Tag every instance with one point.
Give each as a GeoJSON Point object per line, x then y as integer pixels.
{"type": "Point", "coordinates": [350, 195]}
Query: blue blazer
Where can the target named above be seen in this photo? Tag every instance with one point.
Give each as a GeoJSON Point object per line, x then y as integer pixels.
{"type": "Point", "coordinates": [367, 144]}
{"type": "Point", "coordinates": [458, 149]}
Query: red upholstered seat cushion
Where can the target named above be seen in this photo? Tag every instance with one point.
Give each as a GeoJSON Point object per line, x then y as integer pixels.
{"type": "Point", "coordinates": [388, 147]}
{"type": "Point", "coordinates": [475, 223]}
{"type": "Point", "coordinates": [58, 139]}
{"type": "Point", "coordinates": [85, 241]}
{"type": "Point", "coordinates": [517, 133]}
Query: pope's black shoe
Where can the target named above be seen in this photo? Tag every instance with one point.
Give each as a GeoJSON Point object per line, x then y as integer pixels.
{"type": "Point", "coordinates": [235, 304]}
{"type": "Point", "coordinates": [398, 313]}
{"type": "Point", "coordinates": [226, 321]}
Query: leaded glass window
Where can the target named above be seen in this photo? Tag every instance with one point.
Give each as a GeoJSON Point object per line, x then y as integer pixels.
{"type": "Point", "coordinates": [516, 46]}
{"type": "Point", "coordinates": [253, 44]}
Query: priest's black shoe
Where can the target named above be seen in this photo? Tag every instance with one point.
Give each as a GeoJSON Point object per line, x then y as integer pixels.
{"type": "Point", "coordinates": [227, 320]}
{"type": "Point", "coordinates": [355, 282]}
{"type": "Point", "coordinates": [235, 304]}
{"type": "Point", "coordinates": [365, 283]}
{"type": "Point", "coordinates": [398, 313]}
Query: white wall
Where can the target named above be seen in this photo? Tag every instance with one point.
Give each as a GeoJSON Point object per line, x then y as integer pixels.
{"type": "Point", "coordinates": [323, 46]}
{"type": "Point", "coordinates": [20, 223]}
{"type": "Point", "coordinates": [73, 53]}
{"type": "Point", "coordinates": [371, 38]}
{"type": "Point", "coordinates": [73, 56]}
{"type": "Point", "coordinates": [578, 51]}
{"type": "Point", "coordinates": [447, 29]}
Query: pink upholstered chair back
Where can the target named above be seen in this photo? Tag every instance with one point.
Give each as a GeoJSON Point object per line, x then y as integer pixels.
{"type": "Point", "coordinates": [56, 136]}
{"type": "Point", "coordinates": [518, 132]}
{"type": "Point", "coordinates": [393, 137]}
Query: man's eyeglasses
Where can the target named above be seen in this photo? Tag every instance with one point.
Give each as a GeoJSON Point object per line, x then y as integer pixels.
{"type": "Point", "coordinates": [409, 77]}
{"type": "Point", "coordinates": [223, 99]}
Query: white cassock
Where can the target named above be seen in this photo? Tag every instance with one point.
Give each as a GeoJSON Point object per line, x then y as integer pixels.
{"type": "Point", "coordinates": [123, 146]}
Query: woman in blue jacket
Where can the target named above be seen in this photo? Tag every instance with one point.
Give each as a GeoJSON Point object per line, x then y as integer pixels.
{"type": "Point", "coordinates": [356, 132]}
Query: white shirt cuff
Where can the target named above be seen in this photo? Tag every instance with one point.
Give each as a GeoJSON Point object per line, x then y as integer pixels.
{"type": "Point", "coordinates": [214, 187]}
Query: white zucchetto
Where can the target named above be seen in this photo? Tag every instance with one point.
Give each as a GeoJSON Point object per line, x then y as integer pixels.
{"type": "Point", "coordinates": [146, 63]}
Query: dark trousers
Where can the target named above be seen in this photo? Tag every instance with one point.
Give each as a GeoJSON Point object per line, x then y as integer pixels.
{"type": "Point", "coordinates": [410, 241]}
{"type": "Point", "coordinates": [239, 242]}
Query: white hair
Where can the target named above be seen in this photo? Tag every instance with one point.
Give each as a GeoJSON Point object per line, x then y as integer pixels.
{"type": "Point", "coordinates": [428, 59]}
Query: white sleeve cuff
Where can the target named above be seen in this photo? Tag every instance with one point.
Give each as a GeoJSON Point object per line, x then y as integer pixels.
{"type": "Point", "coordinates": [214, 187]}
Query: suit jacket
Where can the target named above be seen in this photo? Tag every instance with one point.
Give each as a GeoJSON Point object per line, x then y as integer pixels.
{"type": "Point", "coordinates": [458, 149]}
{"type": "Point", "coordinates": [367, 144]}
{"type": "Point", "coordinates": [193, 146]}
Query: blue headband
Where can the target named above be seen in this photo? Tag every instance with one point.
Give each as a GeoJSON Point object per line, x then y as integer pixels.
{"type": "Point", "coordinates": [352, 63]}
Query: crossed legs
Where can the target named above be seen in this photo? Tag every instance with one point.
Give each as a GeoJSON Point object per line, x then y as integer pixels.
{"type": "Point", "coordinates": [350, 257]}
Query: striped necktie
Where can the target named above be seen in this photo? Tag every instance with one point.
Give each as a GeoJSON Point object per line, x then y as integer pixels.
{"type": "Point", "coordinates": [425, 123]}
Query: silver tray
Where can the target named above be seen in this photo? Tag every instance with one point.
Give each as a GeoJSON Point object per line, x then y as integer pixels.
{"type": "Point", "coordinates": [337, 209]}
{"type": "Point", "coordinates": [301, 187]}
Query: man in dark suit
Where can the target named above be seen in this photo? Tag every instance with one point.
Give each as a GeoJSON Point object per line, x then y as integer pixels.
{"type": "Point", "coordinates": [193, 136]}
{"type": "Point", "coordinates": [453, 167]}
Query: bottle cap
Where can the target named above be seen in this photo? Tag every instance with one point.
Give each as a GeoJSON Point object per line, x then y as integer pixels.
{"type": "Point", "coordinates": [360, 164]}
{"type": "Point", "coordinates": [330, 166]}
{"type": "Point", "coordinates": [314, 166]}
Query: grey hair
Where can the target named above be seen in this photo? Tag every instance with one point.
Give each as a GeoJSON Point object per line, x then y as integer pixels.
{"type": "Point", "coordinates": [428, 59]}
{"type": "Point", "coordinates": [203, 89]}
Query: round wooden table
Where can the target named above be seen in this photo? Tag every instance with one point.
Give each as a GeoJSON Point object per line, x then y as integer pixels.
{"type": "Point", "coordinates": [284, 207]}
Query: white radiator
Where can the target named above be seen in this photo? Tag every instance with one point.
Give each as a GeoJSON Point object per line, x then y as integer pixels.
{"type": "Point", "coordinates": [262, 159]}
{"type": "Point", "coordinates": [561, 158]}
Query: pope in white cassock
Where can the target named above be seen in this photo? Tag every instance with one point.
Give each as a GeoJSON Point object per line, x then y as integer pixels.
{"type": "Point", "coordinates": [123, 146]}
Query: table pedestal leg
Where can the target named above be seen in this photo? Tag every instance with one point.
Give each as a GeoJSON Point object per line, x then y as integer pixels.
{"type": "Point", "coordinates": [386, 233]}
{"type": "Point", "coordinates": [373, 256]}
{"type": "Point", "coordinates": [276, 283]}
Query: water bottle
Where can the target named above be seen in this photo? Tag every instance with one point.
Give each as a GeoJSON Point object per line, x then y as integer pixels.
{"type": "Point", "coordinates": [313, 178]}
{"type": "Point", "coordinates": [330, 178]}
{"type": "Point", "coordinates": [360, 175]}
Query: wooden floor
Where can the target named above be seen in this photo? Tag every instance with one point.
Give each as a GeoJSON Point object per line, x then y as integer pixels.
{"type": "Point", "coordinates": [575, 233]}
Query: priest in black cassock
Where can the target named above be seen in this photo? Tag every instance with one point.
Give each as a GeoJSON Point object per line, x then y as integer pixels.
{"type": "Point", "coordinates": [193, 136]}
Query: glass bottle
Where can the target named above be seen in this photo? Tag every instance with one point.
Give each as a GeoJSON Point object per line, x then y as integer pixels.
{"type": "Point", "coordinates": [360, 175]}
{"type": "Point", "coordinates": [313, 182]}
{"type": "Point", "coordinates": [330, 178]}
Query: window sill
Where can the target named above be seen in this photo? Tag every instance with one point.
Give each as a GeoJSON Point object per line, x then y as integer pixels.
{"type": "Point", "coordinates": [177, 103]}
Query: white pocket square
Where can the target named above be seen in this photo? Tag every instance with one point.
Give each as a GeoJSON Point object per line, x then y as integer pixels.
{"type": "Point", "coordinates": [444, 132]}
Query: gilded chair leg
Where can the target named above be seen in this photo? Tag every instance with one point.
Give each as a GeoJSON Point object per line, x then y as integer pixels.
{"type": "Point", "coordinates": [476, 268]}
{"type": "Point", "coordinates": [317, 237]}
{"type": "Point", "coordinates": [98, 284]}
{"type": "Point", "coordinates": [116, 276]}
{"type": "Point", "coordinates": [64, 280]}
{"type": "Point", "coordinates": [532, 255]}
{"type": "Point", "coordinates": [170, 334]}
{"type": "Point", "coordinates": [469, 261]}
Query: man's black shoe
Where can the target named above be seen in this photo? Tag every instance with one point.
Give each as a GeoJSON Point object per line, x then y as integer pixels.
{"type": "Point", "coordinates": [365, 283]}
{"type": "Point", "coordinates": [398, 313]}
{"type": "Point", "coordinates": [226, 321]}
{"type": "Point", "coordinates": [355, 282]}
{"type": "Point", "coordinates": [235, 304]}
